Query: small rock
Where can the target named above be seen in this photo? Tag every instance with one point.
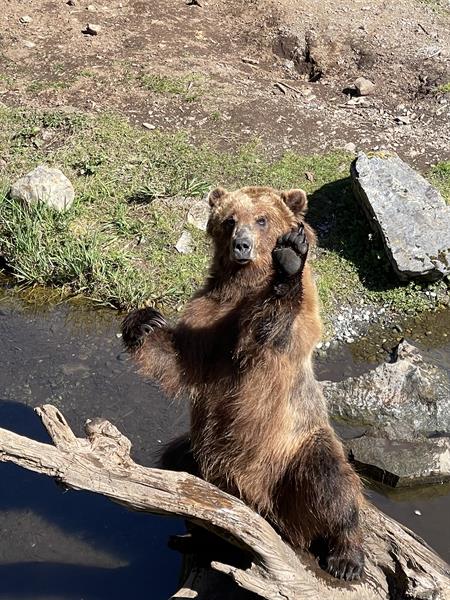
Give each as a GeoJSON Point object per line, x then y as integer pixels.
{"type": "Point", "coordinates": [47, 135]}
{"type": "Point", "coordinates": [364, 87]}
{"type": "Point", "coordinates": [350, 147]}
{"type": "Point", "coordinates": [148, 126]}
{"type": "Point", "coordinates": [91, 8]}
{"type": "Point", "coordinates": [71, 2]}
{"type": "Point", "coordinates": [29, 44]}
{"type": "Point", "coordinates": [185, 243]}
{"type": "Point", "coordinates": [418, 513]}
{"type": "Point", "coordinates": [404, 120]}
{"type": "Point", "coordinates": [91, 29]}
{"type": "Point", "coordinates": [47, 185]}
{"type": "Point", "coordinates": [309, 176]}
{"type": "Point", "coordinates": [198, 214]}
{"type": "Point", "coordinates": [250, 61]}
{"type": "Point", "coordinates": [25, 19]}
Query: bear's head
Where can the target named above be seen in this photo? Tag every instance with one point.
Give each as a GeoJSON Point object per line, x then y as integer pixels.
{"type": "Point", "coordinates": [245, 224]}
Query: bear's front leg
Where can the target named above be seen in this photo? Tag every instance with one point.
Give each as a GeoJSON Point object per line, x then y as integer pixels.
{"type": "Point", "coordinates": [289, 257]}
{"type": "Point", "coordinates": [138, 325]}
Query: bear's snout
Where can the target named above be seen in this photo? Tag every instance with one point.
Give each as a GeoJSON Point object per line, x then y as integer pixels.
{"type": "Point", "coordinates": [242, 246]}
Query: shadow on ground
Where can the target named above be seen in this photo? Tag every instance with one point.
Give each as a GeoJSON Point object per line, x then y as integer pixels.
{"type": "Point", "coordinates": [343, 228]}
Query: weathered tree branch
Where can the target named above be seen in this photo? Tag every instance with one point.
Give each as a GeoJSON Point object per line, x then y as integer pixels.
{"type": "Point", "coordinates": [400, 565]}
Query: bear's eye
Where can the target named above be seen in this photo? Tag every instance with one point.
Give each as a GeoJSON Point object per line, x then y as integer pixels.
{"type": "Point", "coordinates": [262, 221]}
{"type": "Point", "coordinates": [230, 222]}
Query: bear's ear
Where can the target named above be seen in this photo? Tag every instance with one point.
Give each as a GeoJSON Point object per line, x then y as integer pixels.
{"type": "Point", "coordinates": [297, 201]}
{"type": "Point", "coordinates": [216, 195]}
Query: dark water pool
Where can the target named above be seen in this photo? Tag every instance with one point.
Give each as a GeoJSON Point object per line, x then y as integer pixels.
{"type": "Point", "coordinates": [64, 545]}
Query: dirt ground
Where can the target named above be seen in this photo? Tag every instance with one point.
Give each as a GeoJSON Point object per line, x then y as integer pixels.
{"type": "Point", "coordinates": [281, 71]}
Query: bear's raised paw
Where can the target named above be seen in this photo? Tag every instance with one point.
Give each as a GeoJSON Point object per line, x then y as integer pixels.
{"type": "Point", "coordinates": [290, 252]}
{"type": "Point", "coordinates": [138, 324]}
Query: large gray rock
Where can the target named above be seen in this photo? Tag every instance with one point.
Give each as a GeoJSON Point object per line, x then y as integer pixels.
{"type": "Point", "coordinates": [402, 463]}
{"type": "Point", "coordinates": [399, 401]}
{"type": "Point", "coordinates": [398, 415]}
{"type": "Point", "coordinates": [47, 185]}
{"type": "Point", "coordinates": [410, 214]}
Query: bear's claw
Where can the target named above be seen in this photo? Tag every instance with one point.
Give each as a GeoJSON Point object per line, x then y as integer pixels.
{"type": "Point", "coordinates": [138, 324]}
{"type": "Point", "coordinates": [290, 252]}
{"type": "Point", "coordinates": [345, 565]}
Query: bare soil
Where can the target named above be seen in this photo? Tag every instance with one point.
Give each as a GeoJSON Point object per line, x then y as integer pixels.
{"type": "Point", "coordinates": [281, 71]}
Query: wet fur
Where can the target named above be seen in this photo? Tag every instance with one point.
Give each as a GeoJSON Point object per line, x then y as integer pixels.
{"type": "Point", "coordinates": [242, 351]}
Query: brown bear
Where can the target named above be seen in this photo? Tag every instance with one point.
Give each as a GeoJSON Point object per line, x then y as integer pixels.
{"type": "Point", "coordinates": [242, 351]}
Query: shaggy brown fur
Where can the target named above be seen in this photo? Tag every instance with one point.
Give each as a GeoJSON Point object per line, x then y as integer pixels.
{"type": "Point", "coordinates": [242, 352]}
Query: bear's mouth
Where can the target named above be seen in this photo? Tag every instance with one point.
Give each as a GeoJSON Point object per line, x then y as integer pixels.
{"type": "Point", "coordinates": [242, 261]}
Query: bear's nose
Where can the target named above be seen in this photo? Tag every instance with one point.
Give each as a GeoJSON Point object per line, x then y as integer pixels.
{"type": "Point", "coordinates": [242, 247]}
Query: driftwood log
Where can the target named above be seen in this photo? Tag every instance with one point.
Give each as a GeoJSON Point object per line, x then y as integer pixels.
{"type": "Point", "coordinates": [399, 564]}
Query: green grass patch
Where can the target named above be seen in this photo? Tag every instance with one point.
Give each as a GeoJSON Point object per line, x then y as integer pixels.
{"type": "Point", "coordinates": [438, 6]}
{"type": "Point", "coordinates": [189, 87]}
{"type": "Point", "coordinates": [444, 88]}
{"type": "Point", "coordinates": [133, 191]}
{"type": "Point", "coordinates": [40, 86]}
{"type": "Point", "coordinates": [440, 177]}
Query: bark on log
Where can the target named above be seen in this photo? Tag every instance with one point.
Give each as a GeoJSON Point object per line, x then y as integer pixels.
{"type": "Point", "coordinates": [399, 564]}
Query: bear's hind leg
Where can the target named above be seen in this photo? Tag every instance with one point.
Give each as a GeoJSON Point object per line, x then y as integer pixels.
{"type": "Point", "coordinates": [318, 505]}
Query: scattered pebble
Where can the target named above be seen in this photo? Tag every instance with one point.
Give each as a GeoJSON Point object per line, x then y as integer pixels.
{"type": "Point", "coordinates": [350, 147]}
{"type": "Point", "coordinates": [25, 19]}
{"type": "Point", "coordinates": [29, 44]}
{"type": "Point", "coordinates": [250, 61]}
{"type": "Point", "coordinates": [148, 126]}
{"type": "Point", "coordinates": [91, 29]}
{"type": "Point", "coordinates": [363, 86]}
{"type": "Point", "coordinates": [198, 214]}
{"type": "Point", "coordinates": [418, 513]}
{"type": "Point", "coordinates": [185, 243]}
